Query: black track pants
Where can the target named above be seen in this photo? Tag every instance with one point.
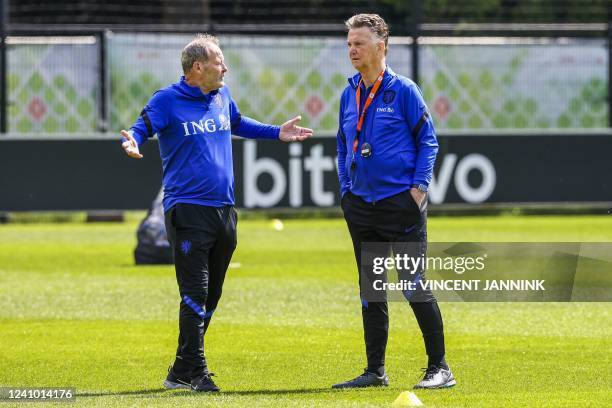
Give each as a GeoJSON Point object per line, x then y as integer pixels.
{"type": "Point", "coordinates": [203, 241]}
{"type": "Point", "coordinates": [394, 220]}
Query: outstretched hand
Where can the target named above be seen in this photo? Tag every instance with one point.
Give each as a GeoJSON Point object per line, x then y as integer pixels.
{"type": "Point", "coordinates": [289, 132]}
{"type": "Point", "coordinates": [129, 145]}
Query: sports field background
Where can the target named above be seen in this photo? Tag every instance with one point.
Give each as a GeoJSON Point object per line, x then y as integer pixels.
{"type": "Point", "coordinates": [74, 311]}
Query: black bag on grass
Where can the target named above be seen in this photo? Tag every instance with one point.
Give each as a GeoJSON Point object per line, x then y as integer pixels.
{"type": "Point", "coordinates": [153, 246]}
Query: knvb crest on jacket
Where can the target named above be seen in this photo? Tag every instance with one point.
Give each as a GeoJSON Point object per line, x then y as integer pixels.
{"type": "Point", "coordinates": [388, 96]}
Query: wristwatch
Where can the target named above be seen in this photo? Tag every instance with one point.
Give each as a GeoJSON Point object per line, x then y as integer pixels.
{"type": "Point", "coordinates": [420, 187]}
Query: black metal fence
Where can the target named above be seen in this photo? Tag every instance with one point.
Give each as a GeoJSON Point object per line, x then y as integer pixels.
{"type": "Point", "coordinates": [465, 72]}
{"type": "Point", "coordinates": [396, 12]}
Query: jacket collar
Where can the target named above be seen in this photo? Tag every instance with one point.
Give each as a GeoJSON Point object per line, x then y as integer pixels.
{"type": "Point", "coordinates": [354, 80]}
{"type": "Point", "coordinates": [194, 91]}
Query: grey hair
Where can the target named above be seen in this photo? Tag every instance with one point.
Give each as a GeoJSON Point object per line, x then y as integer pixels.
{"type": "Point", "coordinates": [372, 22]}
{"type": "Point", "coordinates": [197, 50]}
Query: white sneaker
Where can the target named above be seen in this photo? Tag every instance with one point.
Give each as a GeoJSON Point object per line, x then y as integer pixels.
{"type": "Point", "coordinates": [437, 377]}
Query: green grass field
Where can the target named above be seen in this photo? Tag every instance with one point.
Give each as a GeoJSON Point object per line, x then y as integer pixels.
{"type": "Point", "coordinates": [74, 311]}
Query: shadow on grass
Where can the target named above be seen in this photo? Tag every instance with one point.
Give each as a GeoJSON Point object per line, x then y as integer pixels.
{"type": "Point", "coordinates": [109, 394]}
{"type": "Point", "coordinates": [177, 393]}
{"type": "Point", "coordinates": [280, 392]}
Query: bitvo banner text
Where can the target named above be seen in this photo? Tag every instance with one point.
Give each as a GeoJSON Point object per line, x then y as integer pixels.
{"type": "Point", "coordinates": [486, 272]}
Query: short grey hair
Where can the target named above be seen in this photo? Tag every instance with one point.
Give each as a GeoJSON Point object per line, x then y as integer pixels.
{"type": "Point", "coordinates": [372, 22]}
{"type": "Point", "coordinates": [197, 50]}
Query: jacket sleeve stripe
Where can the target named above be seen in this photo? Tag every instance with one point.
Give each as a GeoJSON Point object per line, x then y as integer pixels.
{"type": "Point", "coordinates": [236, 121]}
{"type": "Point", "coordinates": [419, 125]}
{"type": "Point", "coordinates": [147, 121]}
{"type": "Point", "coordinates": [342, 135]}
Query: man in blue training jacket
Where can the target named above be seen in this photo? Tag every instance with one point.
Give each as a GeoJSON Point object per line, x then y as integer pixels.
{"type": "Point", "coordinates": [386, 152]}
{"type": "Point", "coordinates": [194, 120]}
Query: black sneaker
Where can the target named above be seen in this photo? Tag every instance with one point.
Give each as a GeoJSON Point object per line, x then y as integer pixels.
{"type": "Point", "coordinates": [367, 379]}
{"type": "Point", "coordinates": [204, 383]}
{"type": "Point", "coordinates": [175, 382]}
{"type": "Point", "coordinates": [437, 377]}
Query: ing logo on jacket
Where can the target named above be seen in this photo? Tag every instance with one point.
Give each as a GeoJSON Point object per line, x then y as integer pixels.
{"type": "Point", "coordinates": [206, 126]}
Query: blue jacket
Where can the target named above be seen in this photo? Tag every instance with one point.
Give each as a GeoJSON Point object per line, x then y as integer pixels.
{"type": "Point", "coordinates": [398, 127]}
{"type": "Point", "coordinates": [194, 131]}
